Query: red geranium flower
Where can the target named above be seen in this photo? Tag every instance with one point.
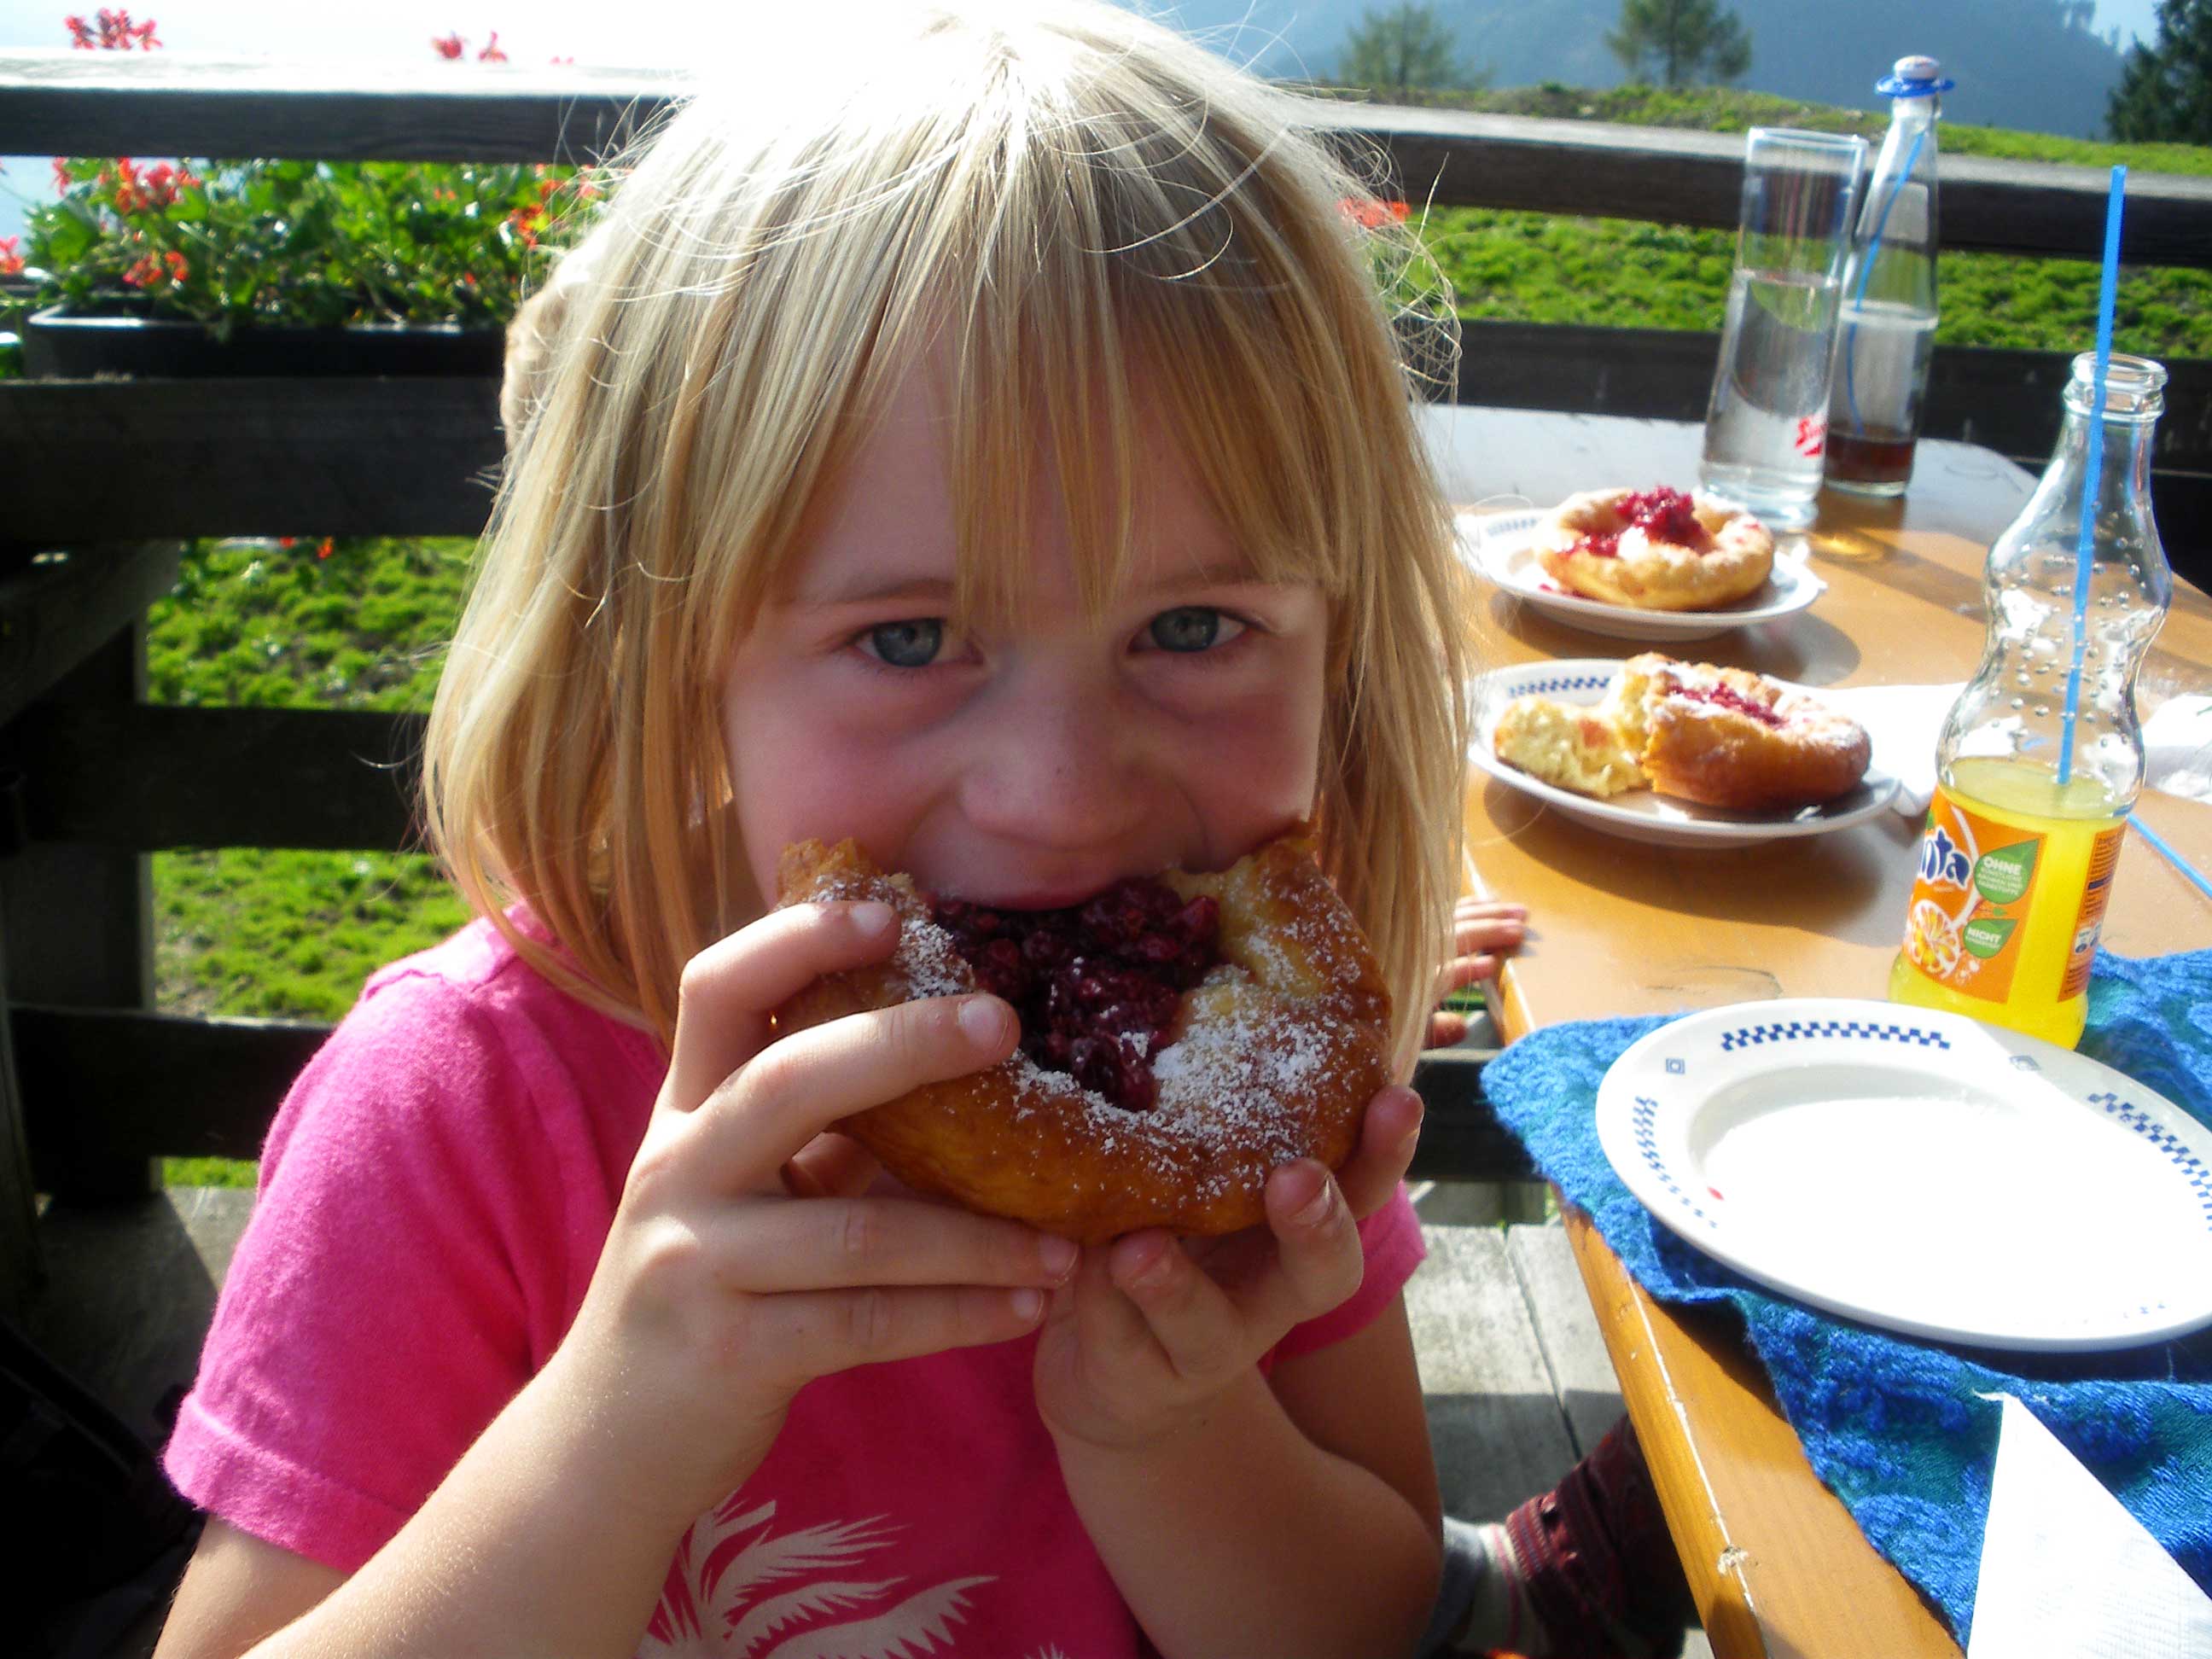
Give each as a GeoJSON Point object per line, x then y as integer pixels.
{"type": "Point", "coordinates": [1370, 214]}
{"type": "Point", "coordinates": [116, 32]}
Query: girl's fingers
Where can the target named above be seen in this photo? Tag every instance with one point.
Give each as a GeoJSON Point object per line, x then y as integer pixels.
{"type": "Point", "coordinates": [1446, 1027]}
{"type": "Point", "coordinates": [1209, 1319]}
{"type": "Point", "coordinates": [1468, 909]}
{"type": "Point", "coordinates": [1178, 1305]}
{"type": "Point", "coordinates": [838, 1243]}
{"type": "Point", "coordinates": [732, 988]}
{"type": "Point", "coordinates": [830, 1165]}
{"type": "Point", "coordinates": [1387, 1135]}
{"type": "Point", "coordinates": [1106, 1321]}
{"type": "Point", "coordinates": [810, 1334]}
{"type": "Point", "coordinates": [760, 1117]}
{"type": "Point", "coordinates": [1462, 972]}
{"type": "Point", "coordinates": [1320, 1262]}
{"type": "Point", "coordinates": [1480, 926]}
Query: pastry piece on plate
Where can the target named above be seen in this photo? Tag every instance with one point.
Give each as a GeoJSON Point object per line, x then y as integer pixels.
{"type": "Point", "coordinates": [1721, 737]}
{"type": "Point", "coordinates": [1654, 550]}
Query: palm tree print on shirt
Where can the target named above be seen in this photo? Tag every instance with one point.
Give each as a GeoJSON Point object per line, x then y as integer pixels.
{"type": "Point", "coordinates": [720, 1598]}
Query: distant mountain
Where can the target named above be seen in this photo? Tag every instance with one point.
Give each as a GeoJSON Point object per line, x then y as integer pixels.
{"type": "Point", "coordinates": [2034, 65]}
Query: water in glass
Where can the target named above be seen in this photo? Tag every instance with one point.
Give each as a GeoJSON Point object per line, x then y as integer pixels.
{"type": "Point", "coordinates": [1766, 425]}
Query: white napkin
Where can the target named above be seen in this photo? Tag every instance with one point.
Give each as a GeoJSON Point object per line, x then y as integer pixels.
{"type": "Point", "coordinates": [2177, 748]}
{"type": "Point", "coordinates": [2066, 1569]}
{"type": "Point", "coordinates": [1904, 721]}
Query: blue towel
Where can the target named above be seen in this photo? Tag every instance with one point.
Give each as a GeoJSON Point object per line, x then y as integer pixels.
{"type": "Point", "coordinates": [1894, 1425]}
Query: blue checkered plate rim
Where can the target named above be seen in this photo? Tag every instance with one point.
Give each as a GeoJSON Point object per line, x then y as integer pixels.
{"type": "Point", "coordinates": [1643, 815]}
{"type": "Point", "coordinates": [1920, 1172]}
{"type": "Point", "coordinates": [1496, 546]}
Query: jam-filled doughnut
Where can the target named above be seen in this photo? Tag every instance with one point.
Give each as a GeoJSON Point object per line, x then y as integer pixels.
{"type": "Point", "coordinates": [1181, 1037]}
{"type": "Point", "coordinates": [1721, 737]}
{"type": "Point", "coordinates": [1653, 549]}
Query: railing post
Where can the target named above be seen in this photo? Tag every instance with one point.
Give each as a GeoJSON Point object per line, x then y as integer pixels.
{"type": "Point", "coordinates": [79, 920]}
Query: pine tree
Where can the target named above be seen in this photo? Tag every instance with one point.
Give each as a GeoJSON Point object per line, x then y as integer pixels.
{"type": "Point", "coordinates": [1682, 40]}
{"type": "Point", "coordinates": [1406, 49]}
{"type": "Point", "coordinates": [2165, 89]}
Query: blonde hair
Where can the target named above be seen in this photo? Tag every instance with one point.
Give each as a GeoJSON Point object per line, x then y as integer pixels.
{"type": "Point", "coordinates": [1086, 221]}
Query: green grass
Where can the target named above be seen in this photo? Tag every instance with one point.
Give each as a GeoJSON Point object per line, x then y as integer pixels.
{"type": "Point", "coordinates": [286, 934]}
{"type": "Point", "coordinates": [1620, 273]}
{"type": "Point", "coordinates": [1728, 109]}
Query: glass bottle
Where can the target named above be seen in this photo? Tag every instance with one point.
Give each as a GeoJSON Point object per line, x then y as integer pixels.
{"type": "Point", "coordinates": [2016, 860]}
{"type": "Point", "coordinates": [1886, 330]}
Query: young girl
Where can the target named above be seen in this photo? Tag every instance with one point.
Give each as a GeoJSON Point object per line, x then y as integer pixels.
{"type": "Point", "coordinates": [1000, 456]}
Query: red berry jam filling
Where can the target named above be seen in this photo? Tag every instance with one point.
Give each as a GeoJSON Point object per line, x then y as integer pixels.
{"type": "Point", "coordinates": [1096, 984]}
{"type": "Point", "coordinates": [1662, 515]}
{"type": "Point", "coordinates": [1728, 696]}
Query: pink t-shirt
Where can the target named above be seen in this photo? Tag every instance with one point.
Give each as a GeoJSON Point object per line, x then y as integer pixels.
{"type": "Point", "coordinates": [434, 1195]}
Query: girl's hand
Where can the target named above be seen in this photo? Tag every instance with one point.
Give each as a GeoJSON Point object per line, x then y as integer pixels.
{"type": "Point", "coordinates": [1153, 1328]}
{"type": "Point", "coordinates": [744, 1261]}
{"type": "Point", "coordinates": [1484, 933]}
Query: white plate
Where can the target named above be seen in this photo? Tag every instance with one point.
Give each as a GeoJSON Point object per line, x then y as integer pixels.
{"type": "Point", "coordinates": [1645, 814]}
{"type": "Point", "coordinates": [1920, 1172]}
{"type": "Point", "coordinates": [1497, 547]}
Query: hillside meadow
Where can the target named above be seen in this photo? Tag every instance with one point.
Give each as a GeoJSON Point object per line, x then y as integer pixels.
{"type": "Point", "coordinates": [358, 624]}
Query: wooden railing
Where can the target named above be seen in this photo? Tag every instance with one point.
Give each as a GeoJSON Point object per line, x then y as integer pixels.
{"type": "Point", "coordinates": [99, 478]}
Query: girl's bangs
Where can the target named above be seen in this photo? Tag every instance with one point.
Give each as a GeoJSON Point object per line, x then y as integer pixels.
{"type": "Point", "coordinates": [1089, 339]}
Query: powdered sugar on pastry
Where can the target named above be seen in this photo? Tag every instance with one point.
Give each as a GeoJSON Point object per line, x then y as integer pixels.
{"type": "Point", "coordinates": [1271, 1055]}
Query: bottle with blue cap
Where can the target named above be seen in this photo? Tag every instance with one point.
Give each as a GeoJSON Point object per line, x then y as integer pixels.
{"type": "Point", "coordinates": [1886, 330]}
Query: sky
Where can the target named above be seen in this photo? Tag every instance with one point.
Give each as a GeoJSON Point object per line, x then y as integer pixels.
{"type": "Point", "coordinates": [635, 32]}
{"type": "Point", "coordinates": [629, 32]}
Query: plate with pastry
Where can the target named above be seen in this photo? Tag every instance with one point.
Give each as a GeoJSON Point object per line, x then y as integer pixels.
{"type": "Point", "coordinates": [1655, 565]}
{"type": "Point", "coordinates": [1182, 1036]}
{"type": "Point", "coordinates": [1678, 753]}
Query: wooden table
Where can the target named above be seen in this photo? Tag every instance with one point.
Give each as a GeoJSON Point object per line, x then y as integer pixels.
{"type": "Point", "coordinates": [1776, 1563]}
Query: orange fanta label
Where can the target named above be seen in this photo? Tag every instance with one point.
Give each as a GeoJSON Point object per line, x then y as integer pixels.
{"type": "Point", "coordinates": [1972, 892]}
{"type": "Point", "coordinates": [1979, 882]}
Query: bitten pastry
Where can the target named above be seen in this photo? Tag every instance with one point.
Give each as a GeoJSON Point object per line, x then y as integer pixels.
{"type": "Point", "coordinates": [1654, 550]}
{"type": "Point", "coordinates": [1180, 1038]}
{"type": "Point", "coordinates": [1721, 737]}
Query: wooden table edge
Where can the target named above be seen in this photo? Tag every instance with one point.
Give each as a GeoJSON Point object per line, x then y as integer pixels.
{"type": "Point", "coordinates": [1855, 1602]}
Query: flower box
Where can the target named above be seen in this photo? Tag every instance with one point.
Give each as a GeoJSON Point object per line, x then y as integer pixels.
{"type": "Point", "coordinates": [59, 344]}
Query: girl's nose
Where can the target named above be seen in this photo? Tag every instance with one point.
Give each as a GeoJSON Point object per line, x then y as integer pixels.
{"type": "Point", "coordinates": [1061, 766]}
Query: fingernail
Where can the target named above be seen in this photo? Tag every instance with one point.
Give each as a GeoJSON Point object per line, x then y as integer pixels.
{"type": "Point", "coordinates": [1316, 1208]}
{"type": "Point", "coordinates": [870, 916]}
{"type": "Point", "coordinates": [983, 1020]}
{"type": "Point", "coordinates": [1154, 1271]}
{"type": "Point", "coordinates": [1028, 1305]}
{"type": "Point", "coordinates": [1058, 1256]}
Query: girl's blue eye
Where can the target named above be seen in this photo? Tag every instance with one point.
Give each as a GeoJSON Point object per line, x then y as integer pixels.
{"type": "Point", "coordinates": [913, 643]}
{"type": "Point", "coordinates": [1189, 627]}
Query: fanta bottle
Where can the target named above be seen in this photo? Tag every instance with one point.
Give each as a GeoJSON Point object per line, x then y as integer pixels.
{"type": "Point", "coordinates": [2041, 758]}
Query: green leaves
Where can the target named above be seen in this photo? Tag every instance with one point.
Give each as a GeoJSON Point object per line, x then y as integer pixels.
{"type": "Point", "coordinates": [1985, 936]}
{"type": "Point", "coordinates": [2000, 876]}
{"type": "Point", "coordinates": [232, 242]}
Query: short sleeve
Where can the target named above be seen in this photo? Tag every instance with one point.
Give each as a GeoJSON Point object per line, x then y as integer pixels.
{"type": "Point", "coordinates": [391, 1291]}
{"type": "Point", "coordinates": [1390, 1240]}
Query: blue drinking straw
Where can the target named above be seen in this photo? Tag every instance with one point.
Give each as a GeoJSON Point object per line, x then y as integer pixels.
{"type": "Point", "coordinates": [1866, 269]}
{"type": "Point", "coordinates": [2188, 872]}
{"type": "Point", "coordinates": [2084, 545]}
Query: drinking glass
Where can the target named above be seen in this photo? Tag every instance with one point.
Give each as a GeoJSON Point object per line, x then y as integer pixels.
{"type": "Point", "coordinates": [1766, 425]}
